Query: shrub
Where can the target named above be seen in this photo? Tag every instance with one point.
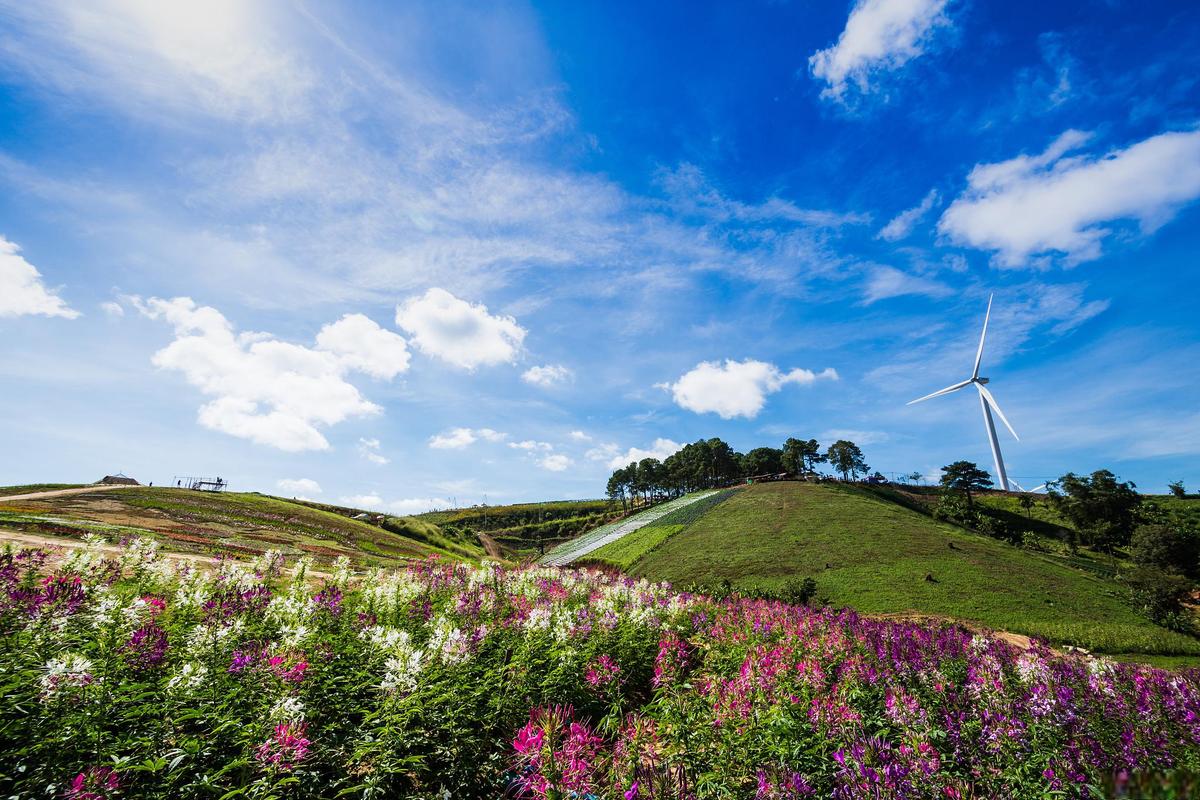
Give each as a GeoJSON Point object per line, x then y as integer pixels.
{"type": "Point", "coordinates": [1165, 547]}
{"type": "Point", "coordinates": [1158, 594]}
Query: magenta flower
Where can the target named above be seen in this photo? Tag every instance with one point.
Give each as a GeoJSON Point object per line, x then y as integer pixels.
{"type": "Point", "coordinates": [603, 674]}
{"type": "Point", "coordinates": [98, 783]}
{"type": "Point", "coordinates": [286, 748]}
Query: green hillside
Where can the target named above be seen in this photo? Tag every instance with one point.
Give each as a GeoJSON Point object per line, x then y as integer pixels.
{"type": "Point", "coordinates": [882, 557]}
{"type": "Point", "coordinates": [235, 523]}
{"type": "Point", "coordinates": [523, 530]}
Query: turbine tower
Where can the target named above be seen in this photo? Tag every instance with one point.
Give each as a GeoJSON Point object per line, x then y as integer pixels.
{"type": "Point", "coordinates": [986, 402]}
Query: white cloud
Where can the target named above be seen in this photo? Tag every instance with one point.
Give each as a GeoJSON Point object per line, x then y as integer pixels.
{"type": "Point", "coordinates": [531, 445]}
{"type": "Point", "coordinates": [604, 452]}
{"type": "Point", "coordinates": [370, 450]}
{"type": "Point", "coordinates": [372, 502]}
{"type": "Point", "coordinates": [580, 436]}
{"type": "Point", "coordinates": [221, 57]}
{"type": "Point", "coordinates": [458, 438]}
{"type": "Point", "coordinates": [660, 450]}
{"type": "Point", "coordinates": [461, 333]}
{"type": "Point", "coordinates": [555, 463]}
{"type": "Point", "coordinates": [880, 35]}
{"type": "Point", "coordinates": [299, 486]}
{"type": "Point", "coordinates": [737, 388]}
{"type": "Point", "coordinates": [453, 439]}
{"type": "Point", "coordinates": [418, 505]}
{"type": "Point", "coordinates": [885, 282]}
{"type": "Point", "coordinates": [112, 308]}
{"type": "Point", "coordinates": [902, 224]}
{"type": "Point", "coordinates": [547, 375]}
{"type": "Point", "coordinates": [265, 390]}
{"type": "Point", "coordinates": [21, 288]}
{"type": "Point", "coordinates": [363, 345]}
{"type": "Point", "coordinates": [1032, 206]}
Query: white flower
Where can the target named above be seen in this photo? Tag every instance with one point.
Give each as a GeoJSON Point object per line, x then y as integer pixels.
{"type": "Point", "coordinates": [287, 709]}
{"type": "Point", "coordinates": [68, 673]}
{"type": "Point", "coordinates": [1031, 668]}
{"type": "Point", "coordinates": [401, 672]}
{"type": "Point", "coordinates": [189, 678]}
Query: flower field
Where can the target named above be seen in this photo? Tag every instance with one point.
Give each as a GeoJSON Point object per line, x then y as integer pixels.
{"type": "Point", "coordinates": [147, 679]}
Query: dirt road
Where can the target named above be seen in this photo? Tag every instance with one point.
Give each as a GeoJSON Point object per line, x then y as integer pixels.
{"type": "Point", "coordinates": [63, 492]}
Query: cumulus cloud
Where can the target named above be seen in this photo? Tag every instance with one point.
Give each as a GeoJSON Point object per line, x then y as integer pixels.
{"type": "Point", "coordinates": [531, 445]}
{"type": "Point", "coordinates": [555, 463]}
{"type": "Point", "coordinates": [362, 345]}
{"type": "Point", "coordinates": [372, 502]}
{"type": "Point", "coordinates": [370, 449]}
{"type": "Point", "coordinates": [299, 486]}
{"type": "Point", "coordinates": [418, 505]}
{"type": "Point", "coordinates": [1029, 208]}
{"type": "Point", "coordinates": [580, 436]}
{"type": "Point", "coordinates": [546, 375]}
{"type": "Point", "coordinates": [660, 450]}
{"type": "Point", "coordinates": [458, 332]}
{"type": "Point", "coordinates": [21, 289]}
{"type": "Point", "coordinates": [885, 282]}
{"type": "Point", "coordinates": [902, 224]}
{"type": "Point", "coordinates": [459, 438]}
{"type": "Point", "coordinates": [880, 35]}
{"type": "Point", "coordinates": [736, 388]}
{"type": "Point", "coordinates": [265, 390]}
{"type": "Point", "coordinates": [112, 308]}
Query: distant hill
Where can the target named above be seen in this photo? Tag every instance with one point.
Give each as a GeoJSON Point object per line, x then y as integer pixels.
{"type": "Point", "coordinates": [236, 523]}
{"type": "Point", "coordinates": [868, 550]}
{"type": "Point", "coordinates": [523, 530]}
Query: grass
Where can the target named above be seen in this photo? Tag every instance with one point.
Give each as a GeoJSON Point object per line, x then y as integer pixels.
{"type": "Point", "coordinates": [189, 521]}
{"type": "Point", "coordinates": [626, 551]}
{"type": "Point", "coordinates": [874, 555]}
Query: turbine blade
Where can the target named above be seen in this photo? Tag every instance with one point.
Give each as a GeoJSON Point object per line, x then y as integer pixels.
{"type": "Point", "coordinates": [940, 392]}
{"type": "Point", "coordinates": [1037, 488]}
{"type": "Point", "coordinates": [991, 401]}
{"type": "Point", "coordinates": [982, 336]}
{"type": "Point", "coordinates": [1020, 488]}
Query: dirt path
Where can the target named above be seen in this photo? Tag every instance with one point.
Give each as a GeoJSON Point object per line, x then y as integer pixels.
{"type": "Point", "coordinates": [490, 546]}
{"type": "Point", "coordinates": [63, 492]}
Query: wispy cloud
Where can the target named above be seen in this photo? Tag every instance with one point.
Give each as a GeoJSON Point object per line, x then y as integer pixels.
{"type": "Point", "coordinates": [884, 282]}
{"type": "Point", "coordinates": [880, 36]}
{"type": "Point", "coordinates": [902, 224]}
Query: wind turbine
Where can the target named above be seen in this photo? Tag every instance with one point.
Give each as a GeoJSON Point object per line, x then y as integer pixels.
{"type": "Point", "coordinates": [986, 402]}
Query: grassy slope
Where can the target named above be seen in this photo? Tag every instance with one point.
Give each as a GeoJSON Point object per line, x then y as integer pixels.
{"type": "Point", "coordinates": [626, 551]}
{"type": "Point", "coordinates": [184, 520]}
{"type": "Point", "coordinates": [878, 555]}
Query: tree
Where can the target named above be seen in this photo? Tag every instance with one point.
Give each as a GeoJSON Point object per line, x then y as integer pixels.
{"type": "Point", "coordinates": [1165, 547]}
{"type": "Point", "coordinates": [913, 477]}
{"type": "Point", "coordinates": [965, 477]}
{"type": "Point", "coordinates": [762, 461]}
{"type": "Point", "coordinates": [801, 456]}
{"type": "Point", "coordinates": [1103, 509]}
{"type": "Point", "coordinates": [616, 488]}
{"type": "Point", "coordinates": [1026, 502]}
{"type": "Point", "coordinates": [1177, 489]}
{"type": "Point", "coordinates": [846, 458]}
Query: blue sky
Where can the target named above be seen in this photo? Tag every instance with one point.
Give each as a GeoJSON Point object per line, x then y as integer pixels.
{"type": "Point", "coordinates": [399, 254]}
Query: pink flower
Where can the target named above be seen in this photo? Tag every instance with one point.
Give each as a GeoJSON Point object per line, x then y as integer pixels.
{"type": "Point", "coordinates": [286, 748]}
{"type": "Point", "coordinates": [98, 783]}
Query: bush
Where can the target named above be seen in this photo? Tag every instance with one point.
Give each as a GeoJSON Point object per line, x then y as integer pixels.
{"type": "Point", "coordinates": [1159, 594]}
{"type": "Point", "coordinates": [1165, 547]}
{"type": "Point", "coordinates": [798, 592]}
